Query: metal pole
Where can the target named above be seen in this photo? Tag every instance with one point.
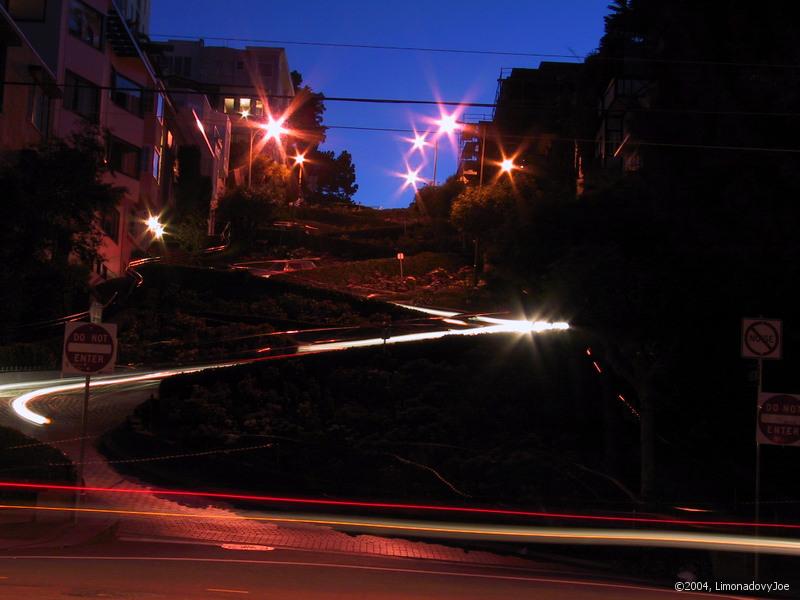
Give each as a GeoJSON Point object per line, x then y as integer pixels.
{"type": "Point", "coordinates": [435, 159]}
{"type": "Point", "coordinates": [250, 160]}
{"type": "Point", "coordinates": [483, 152]}
{"type": "Point", "coordinates": [475, 265]}
{"type": "Point", "coordinates": [758, 472]}
{"type": "Point", "coordinates": [82, 455]}
{"type": "Point", "coordinates": [401, 268]}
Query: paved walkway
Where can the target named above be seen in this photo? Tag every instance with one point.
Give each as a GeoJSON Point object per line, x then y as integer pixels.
{"type": "Point", "coordinates": [220, 523]}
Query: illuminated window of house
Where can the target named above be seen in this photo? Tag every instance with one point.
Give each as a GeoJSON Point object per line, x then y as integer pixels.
{"type": "Point", "coordinates": [229, 106]}
{"type": "Point", "coordinates": [156, 163]}
{"type": "Point", "coordinates": [244, 105]}
{"type": "Point", "coordinates": [169, 139]}
{"type": "Point", "coordinates": [258, 108]}
{"type": "Point", "coordinates": [160, 108]}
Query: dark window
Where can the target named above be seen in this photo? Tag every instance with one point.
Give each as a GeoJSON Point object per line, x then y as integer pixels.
{"type": "Point", "coordinates": [124, 158]}
{"type": "Point", "coordinates": [81, 96]}
{"type": "Point", "coordinates": [182, 65]}
{"type": "Point", "coordinates": [2, 73]}
{"type": "Point", "coordinates": [27, 10]}
{"type": "Point", "coordinates": [126, 94]}
{"type": "Point", "coordinates": [86, 23]}
{"type": "Point", "coordinates": [160, 108]}
{"type": "Point", "coordinates": [40, 109]}
{"type": "Point", "coordinates": [110, 224]}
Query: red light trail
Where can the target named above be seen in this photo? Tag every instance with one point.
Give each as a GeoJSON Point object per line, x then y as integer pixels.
{"type": "Point", "coordinates": [398, 506]}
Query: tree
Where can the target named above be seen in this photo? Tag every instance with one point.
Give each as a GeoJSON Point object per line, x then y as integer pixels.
{"type": "Point", "coordinates": [55, 197]}
{"type": "Point", "coordinates": [331, 178]}
{"type": "Point", "coordinates": [246, 210]}
{"type": "Point", "coordinates": [435, 202]}
{"type": "Point", "coordinates": [270, 180]}
{"type": "Point", "coordinates": [305, 115]}
{"type": "Point", "coordinates": [193, 191]}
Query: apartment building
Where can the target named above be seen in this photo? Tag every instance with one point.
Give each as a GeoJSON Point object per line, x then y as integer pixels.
{"type": "Point", "coordinates": [247, 84]}
{"type": "Point", "coordinates": [85, 63]}
{"type": "Point", "coordinates": [27, 88]}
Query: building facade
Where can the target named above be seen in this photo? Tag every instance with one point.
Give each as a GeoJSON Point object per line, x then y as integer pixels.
{"type": "Point", "coordinates": [247, 84]}
{"type": "Point", "coordinates": [82, 63]}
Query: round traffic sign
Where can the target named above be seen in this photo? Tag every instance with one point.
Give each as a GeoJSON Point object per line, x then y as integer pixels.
{"type": "Point", "coordinates": [761, 338]}
{"type": "Point", "coordinates": [779, 419]}
{"type": "Point", "coordinates": [89, 348]}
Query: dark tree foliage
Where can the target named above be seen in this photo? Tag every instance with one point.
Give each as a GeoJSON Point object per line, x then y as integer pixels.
{"type": "Point", "coordinates": [704, 232]}
{"type": "Point", "coordinates": [54, 197]}
{"type": "Point", "coordinates": [435, 202]}
{"type": "Point", "coordinates": [192, 200]}
{"type": "Point", "coordinates": [307, 109]}
{"type": "Point", "coordinates": [332, 179]}
{"type": "Point", "coordinates": [246, 210]}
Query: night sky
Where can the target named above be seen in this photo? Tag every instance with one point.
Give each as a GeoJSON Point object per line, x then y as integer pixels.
{"type": "Point", "coordinates": [565, 27]}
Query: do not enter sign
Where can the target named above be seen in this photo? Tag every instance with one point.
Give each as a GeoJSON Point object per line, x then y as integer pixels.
{"type": "Point", "coordinates": [778, 419]}
{"type": "Point", "coordinates": [89, 348]}
{"type": "Point", "coordinates": [762, 338]}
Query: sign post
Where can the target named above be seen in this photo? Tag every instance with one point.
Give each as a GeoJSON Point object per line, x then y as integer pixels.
{"type": "Point", "coordinates": [762, 339]}
{"type": "Point", "coordinates": [401, 257]}
{"type": "Point", "coordinates": [88, 348]}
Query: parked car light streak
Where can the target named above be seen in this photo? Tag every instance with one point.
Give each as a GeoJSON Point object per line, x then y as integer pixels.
{"type": "Point", "coordinates": [516, 533]}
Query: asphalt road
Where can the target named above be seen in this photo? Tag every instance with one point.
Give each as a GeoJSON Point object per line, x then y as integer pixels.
{"type": "Point", "coordinates": [155, 570]}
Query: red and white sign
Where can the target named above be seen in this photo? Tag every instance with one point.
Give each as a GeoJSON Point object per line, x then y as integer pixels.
{"type": "Point", "coordinates": [762, 338]}
{"type": "Point", "coordinates": [400, 256]}
{"type": "Point", "coordinates": [89, 348]}
{"type": "Point", "coordinates": [778, 419]}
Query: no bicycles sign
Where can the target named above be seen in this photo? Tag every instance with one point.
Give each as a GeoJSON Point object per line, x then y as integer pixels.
{"type": "Point", "coordinates": [762, 338]}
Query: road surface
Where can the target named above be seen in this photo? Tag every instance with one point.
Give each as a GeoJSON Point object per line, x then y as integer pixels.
{"type": "Point", "coordinates": [153, 571]}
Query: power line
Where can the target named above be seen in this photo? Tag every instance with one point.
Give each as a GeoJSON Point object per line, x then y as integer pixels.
{"type": "Point", "coordinates": [232, 88]}
{"type": "Point", "coordinates": [370, 46]}
{"type": "Point", "coordinates": [572, 57]}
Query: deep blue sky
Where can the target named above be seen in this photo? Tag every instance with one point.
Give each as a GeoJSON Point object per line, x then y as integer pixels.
{"type": "Point", "coordinates": [554, 26]}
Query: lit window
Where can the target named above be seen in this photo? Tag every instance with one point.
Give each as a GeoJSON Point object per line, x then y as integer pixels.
{"type": "Point", "coordinates": [258, 108]}
{"type": "Point", "coordinates": [229, 106]}
{"type": "Point", "coordinates": [81, 96]}
{"type": "Point", "coordinates": [126, 94]}
{"type": "Point", "coordinates": [169, 139]}
{"type": "Point", "coordinates": [244, 105]}
{"type": "Point", "coordinates": [160, 108]}
{"type": "Point", "coordinates": [86, 23]}
{"type": "Point", "coordinates": [156, 163]}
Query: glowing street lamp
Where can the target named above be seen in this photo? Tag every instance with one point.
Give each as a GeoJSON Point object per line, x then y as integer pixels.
{"type": "Point", "coordinates": [412, 178]}
{"type": "Point", "coordinates": [299, 161]}
{"type": "Point", "coordinates": [155, 227]}
{"type": "Point", "coordinates": [507, 165]}
{"type": "Point", "coordinates": [447, 125]}
{"type": "Point", "coordinates": [419, 142]}
{"type": "Point", "coordinates": [273, 129]}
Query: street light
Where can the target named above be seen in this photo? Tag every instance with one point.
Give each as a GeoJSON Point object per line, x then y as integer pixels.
{"type": "Point", "coordinates": [155, 227]}
{"type": "Point", "coordinates": [419, 142]}
{"type": "Point", "coordinates": [447, 125]}
{"type": "Point", "coordinates": [299, 161]}
{"type": "Point", "coordinates": [507, 165]}
{"type": "Point", "coordinates": [274, 130]}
